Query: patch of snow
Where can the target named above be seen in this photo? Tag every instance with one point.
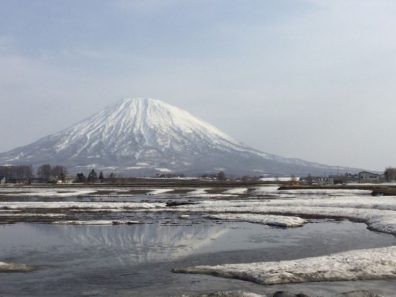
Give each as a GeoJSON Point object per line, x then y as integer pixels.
{"type": "Point", "coordinates": [237, 191]}
{"type": "Point", "coordinates": [202, 193]}
{"type": "Point", "coordinates": [13, 267]}
{"type": "Point", "coordinates": [368, 264]}
{"type": "Point", "coordinates": [82, 205]}
{"type": "Point", "coordinates": [279, 179]}
{"type": "Point", "coordinates": [27, 214]}
{"type": "Point", "coordinates": [198, 191]}
{"type": "Point", "coordinates": [44, 192]}
{"type": "Point", "coordinates": [372, 184]}
{"type": "Point", "coordinates": [98, 222]}
{"type": "Point", "coordinates": [266, 190]}
{"type": "Point", "coordinates": [378, 213]}
{"type": "Point", "coordinates": [227, 294]}
{"type": "Point", "coordinates": [159, 191]}
{"type": "Point", "coordinates": [271, 220]}
{"type": "Point", "coordinates": [331, 192]}
{"type": "Point", "coordinates": [369, 202]}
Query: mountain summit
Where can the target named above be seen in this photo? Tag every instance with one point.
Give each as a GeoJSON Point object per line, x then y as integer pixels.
{"type": "Point", "coordinates": [145, 136]}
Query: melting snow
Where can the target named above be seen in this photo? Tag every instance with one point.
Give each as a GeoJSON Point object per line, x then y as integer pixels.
{"type": "Point", "coordinates": [331, 192]}
{"type": "Point", "coordinates": [159, 191]}
{"type": "Point", "coordinates": [379, 213]}
{"type": "Point", "coordinates": [82, 205]}
{"type": "Point", "coordinates": [98, 222]}
{"type": "Point", "coordinates": [280, 221]}
{"type": "Point", "coordinates": [13, 267]}
{"type": "Point", "coordinates": [43, 192]}
{"type": "Point", "coordinates": [27, 214]}
{"type": "Point", "coordinates": [227, 294]}
{"type": "Point", "coordinates": [198, 191]}
{"type": "Point", "coordinates": [237, 191]}
{"type": "Point", "coordinates": [279, 179]}
{"type": "Point", "coordinates": [366, 264]}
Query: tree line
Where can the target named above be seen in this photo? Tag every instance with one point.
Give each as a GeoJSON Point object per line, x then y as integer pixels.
{"type": "Point", "coordinates": [16, 172]}
{"type": "Point", "coordinates": [25, 172]}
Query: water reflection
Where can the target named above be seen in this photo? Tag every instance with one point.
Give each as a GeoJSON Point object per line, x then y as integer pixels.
{"type": "Point", "coordinates": [123, 244]}
{"type": "Point", "coordinates": [136, 260]}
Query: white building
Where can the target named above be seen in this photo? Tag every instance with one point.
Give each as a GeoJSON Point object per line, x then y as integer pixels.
{"type": "Point", "coordinates": [369, 177]}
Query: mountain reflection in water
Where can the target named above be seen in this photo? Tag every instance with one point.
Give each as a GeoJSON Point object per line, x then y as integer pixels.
{"type": "Point", "coordinates": [138, 243]}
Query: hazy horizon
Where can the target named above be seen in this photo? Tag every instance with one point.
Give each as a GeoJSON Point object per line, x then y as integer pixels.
{"type": "Point", "coordinates": [308, 79]}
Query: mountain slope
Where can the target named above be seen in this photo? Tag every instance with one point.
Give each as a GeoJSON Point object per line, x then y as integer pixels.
{"type": "Point", "coordinates": [144, 136]}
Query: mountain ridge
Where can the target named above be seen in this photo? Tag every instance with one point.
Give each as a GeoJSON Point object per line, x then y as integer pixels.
{"type": "Point", "coordinates": [144, 136]}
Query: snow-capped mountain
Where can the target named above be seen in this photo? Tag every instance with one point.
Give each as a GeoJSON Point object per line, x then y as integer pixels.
{"type": "Point", "coordinates": [144, 136]}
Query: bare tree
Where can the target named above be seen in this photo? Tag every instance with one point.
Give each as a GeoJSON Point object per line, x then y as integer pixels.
{"type": "Point", "coordinates": [390, 174]}
{"type": "Point", "coordinates": [16, 172]}
{"type": "Point", "coordinates": [59, 172]}
{"type": "Point", "coordinates": [44, 171]}
{"type": "Point", "coordinates": [221, 175]}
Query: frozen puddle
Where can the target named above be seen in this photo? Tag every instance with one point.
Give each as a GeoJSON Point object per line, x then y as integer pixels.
{"type": "Point", "coordinates": [369, 264]}
{"type": "Point", "coordinates": [271, 220]}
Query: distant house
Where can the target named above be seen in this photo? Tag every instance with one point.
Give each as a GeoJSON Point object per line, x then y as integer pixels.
{"type": "Point", "coordinates": [344, 179]}
{"type": "Point", "coordinates": [2, 180]}
{"type": "Point", "coordinates": [369, 177]}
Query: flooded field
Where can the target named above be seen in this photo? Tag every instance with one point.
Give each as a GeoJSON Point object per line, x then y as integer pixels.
{"type": "Point", "coordinates": [90, 244]}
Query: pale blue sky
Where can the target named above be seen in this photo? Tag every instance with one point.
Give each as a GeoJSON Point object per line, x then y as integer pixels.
{"type": "Point", "coordinates": [313, 79]}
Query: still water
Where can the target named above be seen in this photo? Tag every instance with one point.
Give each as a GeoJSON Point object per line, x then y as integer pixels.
{"type": "Point", "coordinates": [136, 260]}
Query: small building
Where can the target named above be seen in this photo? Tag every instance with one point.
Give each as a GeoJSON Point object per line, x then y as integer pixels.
{"type": "Point", "coordinates": [370, 177]}
{"type": "Point", "coordinates": [2, 180]}
{"type": "Point", "coordinates": [344, 179]}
